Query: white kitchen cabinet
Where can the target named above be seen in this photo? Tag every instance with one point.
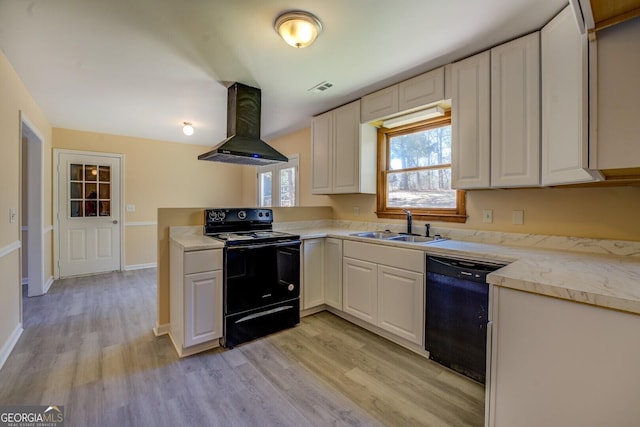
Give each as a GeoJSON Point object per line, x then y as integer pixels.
{"type": "Point", "coordinates": [470, 122]}
{"type": "Point", "coordinates": [321, 152]}
{"type": "Point", "coordinates": [333, 272]}
{"type": "Point", "coordinates": [515, 113]}
{"type": "Point", "coordinates": [380, 104]}
{"type": "Point", "coordinates": [344, 152]}
{"type": "Point", "coordinates": [401, 303]}
{"type": "Point", "coordinates": [384, 286]}
{"type": "Point", "coordinates": [313, 273]}
{"type": "Point", "coordinates": [196, 316]}
{"type": "Point", "coordinates": [407, 96]}
{"type": "Point", "coordinates": [360, 289]}
{"type": "Point", "coordinates": [421, 90]}
{"type": "Point", "coordinates": [617, 121]}
{"type": "Point", "coordinates": [552, 364]}
{"type": "Point", "coordinates": [564, 65]}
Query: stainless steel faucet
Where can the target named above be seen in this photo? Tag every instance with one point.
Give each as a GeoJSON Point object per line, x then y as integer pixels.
{"type": "Point", "coordinates": [408, 212]}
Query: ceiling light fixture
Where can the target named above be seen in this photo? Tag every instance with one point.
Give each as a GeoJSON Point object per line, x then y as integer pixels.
{"type": "Point", "coordinates": [187, 129]}
{"type": "Point", "coordinates": [418, 116]}
{"type": "Point", "coordinates": [297, 28]}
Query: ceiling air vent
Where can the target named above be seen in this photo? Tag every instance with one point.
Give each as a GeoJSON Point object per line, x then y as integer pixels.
{"type": "Point", "coordinates": [321, 87]}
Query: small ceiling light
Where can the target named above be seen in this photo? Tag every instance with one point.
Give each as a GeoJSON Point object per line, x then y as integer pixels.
{"type": "Point", "coordinates": [187, 129]}
{"type": "Point", "coordinates": [298, 28]}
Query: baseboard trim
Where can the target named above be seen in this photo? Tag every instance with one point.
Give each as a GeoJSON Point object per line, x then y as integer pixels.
{"type": "Point", "coordinates": [48, 284]}
{"type": "Point", "coordinates": [7, 348]}
{"type": "Point", "coordinates": [140, 266]}
{"type": "Point", "coordinates": [160, 330]}
{"type": "Point", "coordinates": [10, 248]}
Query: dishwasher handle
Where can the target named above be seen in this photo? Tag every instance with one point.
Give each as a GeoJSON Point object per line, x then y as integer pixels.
{"type": "Point", "coordinates": [463, 269]}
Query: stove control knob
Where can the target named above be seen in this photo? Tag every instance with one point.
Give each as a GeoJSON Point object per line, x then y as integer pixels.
{"type": "Point", "coordinates": [291, 287]}
{"type": "Point", "coordinates": [242, 214]}
{"type": "Point", "coordinates": [260, 214]}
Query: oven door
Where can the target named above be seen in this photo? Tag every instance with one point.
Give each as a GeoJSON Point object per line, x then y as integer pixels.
{"type": "Point", "coordinates": [259, 275]}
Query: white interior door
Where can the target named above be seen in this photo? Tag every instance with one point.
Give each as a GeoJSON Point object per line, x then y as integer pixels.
{"type": "Point", "coordinates": [88, 213]}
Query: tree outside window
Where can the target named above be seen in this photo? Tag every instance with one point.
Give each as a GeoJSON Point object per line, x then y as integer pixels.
{"type": "Point", "coordinates": [415, 172]}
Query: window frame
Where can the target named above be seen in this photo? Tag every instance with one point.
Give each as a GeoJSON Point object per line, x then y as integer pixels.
{"type": "Point", "coordinates": [457, 214]}
{"type": "Point", "coordinates": [294, 161]}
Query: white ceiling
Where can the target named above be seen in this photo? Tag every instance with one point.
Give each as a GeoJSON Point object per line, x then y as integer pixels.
{"type": "Point", "coordinates": [142, 67]}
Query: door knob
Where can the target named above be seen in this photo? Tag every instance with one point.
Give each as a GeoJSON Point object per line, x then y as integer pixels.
{"type": "Point", "coordinates": [115, 221]}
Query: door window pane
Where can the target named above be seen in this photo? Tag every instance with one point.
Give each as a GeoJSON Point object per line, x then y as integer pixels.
{"type": "Point", "coordinates": [89, 191]}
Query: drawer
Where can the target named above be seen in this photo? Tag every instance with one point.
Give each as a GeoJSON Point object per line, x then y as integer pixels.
{"type": "Point", "coordinates": [406, 259]}
{"type": "Point", "coordinates": [199, 261]}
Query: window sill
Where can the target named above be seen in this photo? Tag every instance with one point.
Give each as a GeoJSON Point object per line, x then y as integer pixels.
{"type": "Point", "coordinates": [425, 216]}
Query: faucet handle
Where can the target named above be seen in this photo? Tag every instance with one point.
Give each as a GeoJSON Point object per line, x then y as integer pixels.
{"type": "Point", "coordinates": [428, 227]}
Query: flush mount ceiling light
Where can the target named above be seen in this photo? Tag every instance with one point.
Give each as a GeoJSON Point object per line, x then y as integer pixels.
{"type": "Point", "coordinates": [418, 116]}
{"type": "Point", "coordinates": [187, 129]}
{"type": "Point", "coordinates": [297, 28]}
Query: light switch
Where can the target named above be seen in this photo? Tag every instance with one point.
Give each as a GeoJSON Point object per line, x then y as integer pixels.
{"type": "Point", "coordinates": [131, 208]}
{"type": "Point", "coordinates": [12, 215]}
{"type": "Point", "coordinates": [518, 217]}
{"type": "Point", "coordinates": [487, 216]}
{"type": "Point", "coordinates": [356, 210]}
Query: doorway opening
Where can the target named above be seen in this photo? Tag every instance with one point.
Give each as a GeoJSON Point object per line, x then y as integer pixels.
{"type": "Point", "coordinates": [32, 208]}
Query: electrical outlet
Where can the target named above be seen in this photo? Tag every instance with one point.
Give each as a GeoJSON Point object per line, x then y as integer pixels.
{"type": "Point", "coordinates": [356, 210]}
{"type": "Point", "coordinates": [487, 216]}
{"type": "Point", "coordinates": [12, 215]}
{"type": "Point", "coordinates": [518, 217]}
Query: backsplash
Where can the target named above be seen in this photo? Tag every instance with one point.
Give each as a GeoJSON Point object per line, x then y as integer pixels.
{"type": "Point", "coordinates": [540, 241]}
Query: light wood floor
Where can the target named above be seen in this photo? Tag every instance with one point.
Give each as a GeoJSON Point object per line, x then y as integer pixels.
{"type": "Point", "coordinates": [88, 345]}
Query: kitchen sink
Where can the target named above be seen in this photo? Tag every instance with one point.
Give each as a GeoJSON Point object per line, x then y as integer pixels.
{"type": "Point", "coordinates": [397, 237]}
{"type": "Point", "coordinates": [376, 234]}
{"type": "Point", "coordinates": [412, 239]}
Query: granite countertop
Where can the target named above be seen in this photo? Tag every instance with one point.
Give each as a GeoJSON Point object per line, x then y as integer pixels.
{"type": "Point", "coordinates": [581, 270]}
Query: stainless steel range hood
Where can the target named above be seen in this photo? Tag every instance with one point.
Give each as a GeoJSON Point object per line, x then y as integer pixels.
{"type": "Point", "coordinates": [243, 144]}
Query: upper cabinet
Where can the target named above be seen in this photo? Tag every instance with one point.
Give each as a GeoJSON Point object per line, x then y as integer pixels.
{"type": "Point", "coordinates": [595, 15]}
{"type": "Point", "coordinates": [565, 142]}
{"type": "Point", "coordinates": [470, 122]}
{"type": "Point", "coordinates": [515, 113]}
{"type": "Point", "coordinates": [616, 126]}
{"type": "Point", "coordinates": [403, 97]}
{"type": "Point", "coordinates": [344, 152]}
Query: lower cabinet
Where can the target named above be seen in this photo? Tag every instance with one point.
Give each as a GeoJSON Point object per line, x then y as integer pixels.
{"type": "Point", "coordinates": [552, 363]}
{"type": "Point", "coordinates": [333, 272]}
{"type": "Point", "coordinates": [196, 316]}
{"type": "Point", "coordinates": [384, 286]}
{"type": "Point", "coordinates": [322, 273]}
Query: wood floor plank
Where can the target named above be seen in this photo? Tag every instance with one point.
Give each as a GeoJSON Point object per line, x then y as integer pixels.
{"type": "Point", "coordinates": [88, 345]}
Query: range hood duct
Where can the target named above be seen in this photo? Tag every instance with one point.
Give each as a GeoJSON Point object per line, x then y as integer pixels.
{"type": "Point", "coordinates": [243, 144]}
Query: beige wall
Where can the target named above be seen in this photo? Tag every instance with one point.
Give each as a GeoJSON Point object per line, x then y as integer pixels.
{"type": "Point", "coordinates": [298, 142]}
{"type": "Point", "coordinates": [158, 174]}
{"type": "Point", "coordinates": [15, 98]}
{"type": "Point", "coordinates": [603, 212]}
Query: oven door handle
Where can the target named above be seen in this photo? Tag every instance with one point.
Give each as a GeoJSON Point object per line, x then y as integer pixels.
{"type": "Point", "coordinates": [264, 245]}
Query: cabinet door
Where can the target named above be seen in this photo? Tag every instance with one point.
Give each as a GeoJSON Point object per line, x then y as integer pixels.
{"type": "Point", "coordinates": [470, 122]}
{"type": "Point", "coordinates": [421, 90]}
{"type": "Point", "coordinates": [346, 148]}
{"type": "Point", "coordinates": [565, 144]}
{"type": "Point", "coordinates": [333, 272]}
{"type": "Point", "coordinates": [321, 167]}
{"type": "Point", "coordinates": [313, 271]}
{"type": "Point", "coordinates": [401, 303]}
{"type": "Point", "coordinates": [203, 307]}
{"type": "Point", "coordinates": [515, 113]}
{"type": "Point", "coordinates": [360, 290]}
{"type": "Point", "coordinates": [576, 365]}
{"type": "Point", "coordinates": [618, 90]}
{"type": "Point", "coordinates": [379, 104]}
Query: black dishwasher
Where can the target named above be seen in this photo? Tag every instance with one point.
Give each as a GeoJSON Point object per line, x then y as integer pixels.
{"type": "Point", "coordinates": [457, 304]}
